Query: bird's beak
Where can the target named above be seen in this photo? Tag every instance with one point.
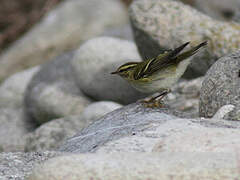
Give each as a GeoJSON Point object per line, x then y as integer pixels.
{"type": "Point", "coordinates": [114, 72]}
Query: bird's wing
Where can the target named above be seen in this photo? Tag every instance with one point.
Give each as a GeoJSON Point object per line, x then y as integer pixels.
{"type": "Point", "coordinates": [166, 59]}
{"type": "Point", "coordinates": [190, 52]}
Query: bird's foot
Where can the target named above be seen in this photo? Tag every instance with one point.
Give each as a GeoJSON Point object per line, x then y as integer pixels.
{"type": "Point", "coordinates": [155, 102]}
{"type": "Point", "coordinates": [152, 104]}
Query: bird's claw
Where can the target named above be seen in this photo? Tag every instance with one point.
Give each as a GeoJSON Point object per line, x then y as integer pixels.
{"type": "Point", "coordinates": [152, 103]}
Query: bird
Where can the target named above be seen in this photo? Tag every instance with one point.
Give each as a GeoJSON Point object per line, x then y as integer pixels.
{"type": "Point", "coordinates": [158, 74]}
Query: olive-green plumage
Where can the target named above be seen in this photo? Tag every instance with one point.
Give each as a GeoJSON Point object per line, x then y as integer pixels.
{"type": "Point", "coordinates": [160, 73]}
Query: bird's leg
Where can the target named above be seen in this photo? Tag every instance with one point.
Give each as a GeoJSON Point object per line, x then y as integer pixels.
{"type": "Point", "coordinates": [160, 96]}
{"type": "Point", "coordinates": [156, 100]}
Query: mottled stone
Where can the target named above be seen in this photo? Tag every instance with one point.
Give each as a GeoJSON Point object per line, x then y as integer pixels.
{"type": "Point", "coordinates": [222, 10]}
{"type": "Point", "coordinates": [185, 97]}
{"type": "Point", "coordinates": [221, 86]}
{"type": "Point", "coordinates": [162, 24]}
{"type": "Point", "coordinates": [19, 165]}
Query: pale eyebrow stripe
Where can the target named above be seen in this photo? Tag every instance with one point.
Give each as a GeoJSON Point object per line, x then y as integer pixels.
{"type": "Point", "coordinates": [126, 67]}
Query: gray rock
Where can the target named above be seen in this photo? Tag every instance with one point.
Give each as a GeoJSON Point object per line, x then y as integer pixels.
{"type": "Point", "coordinates": [12, 89]}
{"type": "Point", "coordinates": [52, 93]}
{"type": "Point", "coordinates": [221, 86]}
{"type": "Point", "coordinates": [96, 110]}
{"type": "Point", "coordinates": [151, 140]}
{"type": "Point", "coordinates": [185, 97]}
{"type": "Point", "coordinates": [179, 135]}
{"type": "Point", "coordinates": [63, 29]}
{"type": "Point", "coordinates": [93, 63]}
{"type": "Point", "coordinates": [222, 10]}
{"type": "Point", "coordinates": [124, 32]}
{"type": "Point", "coordinates": [19, 165]}
{"type": "Point", "coordinates": [51, 135]}
{"type": "Point", "coordinates": [125, 121]}
{"type": "Point", "coordinates": [135, 128]}
{"type": "Point", "coordinates": [164, 24]}
{"type": "Point", "coordinates": [12, 129]}
{"type": "Point", "coordinates": [140, 166]}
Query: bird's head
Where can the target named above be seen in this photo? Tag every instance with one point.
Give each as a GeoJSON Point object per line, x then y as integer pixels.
{"type": "Point", "coordinates": [126, 70]}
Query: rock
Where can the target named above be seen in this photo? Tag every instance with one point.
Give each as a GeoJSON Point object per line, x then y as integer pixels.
{"type": "Point", "coordinates": [19, 165]}
{"type": "Point", "coordinates": [124, 32]}
{"type": "Point", "coordinates": [222, 10]}
{"type": "Point", "coordinates": [221, 86]}
{"type": "Point", "coordinates": [12, 129]}
{"type": "Point", "coordinates": [12, 89]}
{"type": "Point", "coordinates": [139, 129]}
{"type": "Point", "coordinates": [185, 97]}
{"type": "Point", "coordinates": [179, 135]}
{"type": "Point", "coordinates": [223, 111]}
{"type": "Point", "coordinates": [190, 88]}
{"type": "Point", "coordinates": [52, 93]}
{"type": "Point", "coordinates": [139, 166]}
{"type": "Point", "coordinates": [93, 63]}
{"type": "Point", "coordinates": [63, 29]}
{"type": "Point", "coordinates": [121, 122]}
{"type": "Point", "coordinates": [51, 135]}
{"type": "Point", "coordinates": [164, 24]}
{"type": "Point", "coordinates": [151, 140]}
{"type": "Point", "coordinates": [96, 110]}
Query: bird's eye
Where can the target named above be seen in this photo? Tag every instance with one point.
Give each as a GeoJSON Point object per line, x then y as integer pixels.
{"type": "Point", "coordinates": [122, 70]}
{"type": "Point", "coordinates": [228, 13]}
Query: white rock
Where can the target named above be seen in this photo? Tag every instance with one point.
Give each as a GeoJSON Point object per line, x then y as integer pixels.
{"type": "Point", "coordinates": [12, 129]}
{"type": "Point", "coordinates": [12, 89]}
{"type": "Point", "coordinates": [96, 110]}
{"type": "Point", "coordinates": [139, 166]}
{"type": "Point", "coordinates": [96, 59]}
{"type": "Point", "coordinates": [51, 135]}
{"type": "Point", "coordinates": [53, 93]}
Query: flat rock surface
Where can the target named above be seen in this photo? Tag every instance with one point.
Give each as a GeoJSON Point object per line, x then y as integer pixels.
{"type": "Point", "coordinates": [119, 123]}
{"type": "Point", "coordinates": [136, 128]}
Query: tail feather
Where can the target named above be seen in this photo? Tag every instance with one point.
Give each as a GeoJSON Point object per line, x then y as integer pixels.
{"type": "Point", "coordinates": [163, 60]}
{"type": "Point", "coordinates": [191, 52]}
{"type": "Point", "coordinates": [177, 50]}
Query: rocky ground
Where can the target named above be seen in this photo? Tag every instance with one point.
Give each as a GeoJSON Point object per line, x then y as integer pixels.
{"type": "Point", "coordinates": [64, 116]}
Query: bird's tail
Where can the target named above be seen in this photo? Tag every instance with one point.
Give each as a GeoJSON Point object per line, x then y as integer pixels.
{"type": "Point", "coordinates": [176, 51]}
{"type": "Point", "coordinates": [191, 52]}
